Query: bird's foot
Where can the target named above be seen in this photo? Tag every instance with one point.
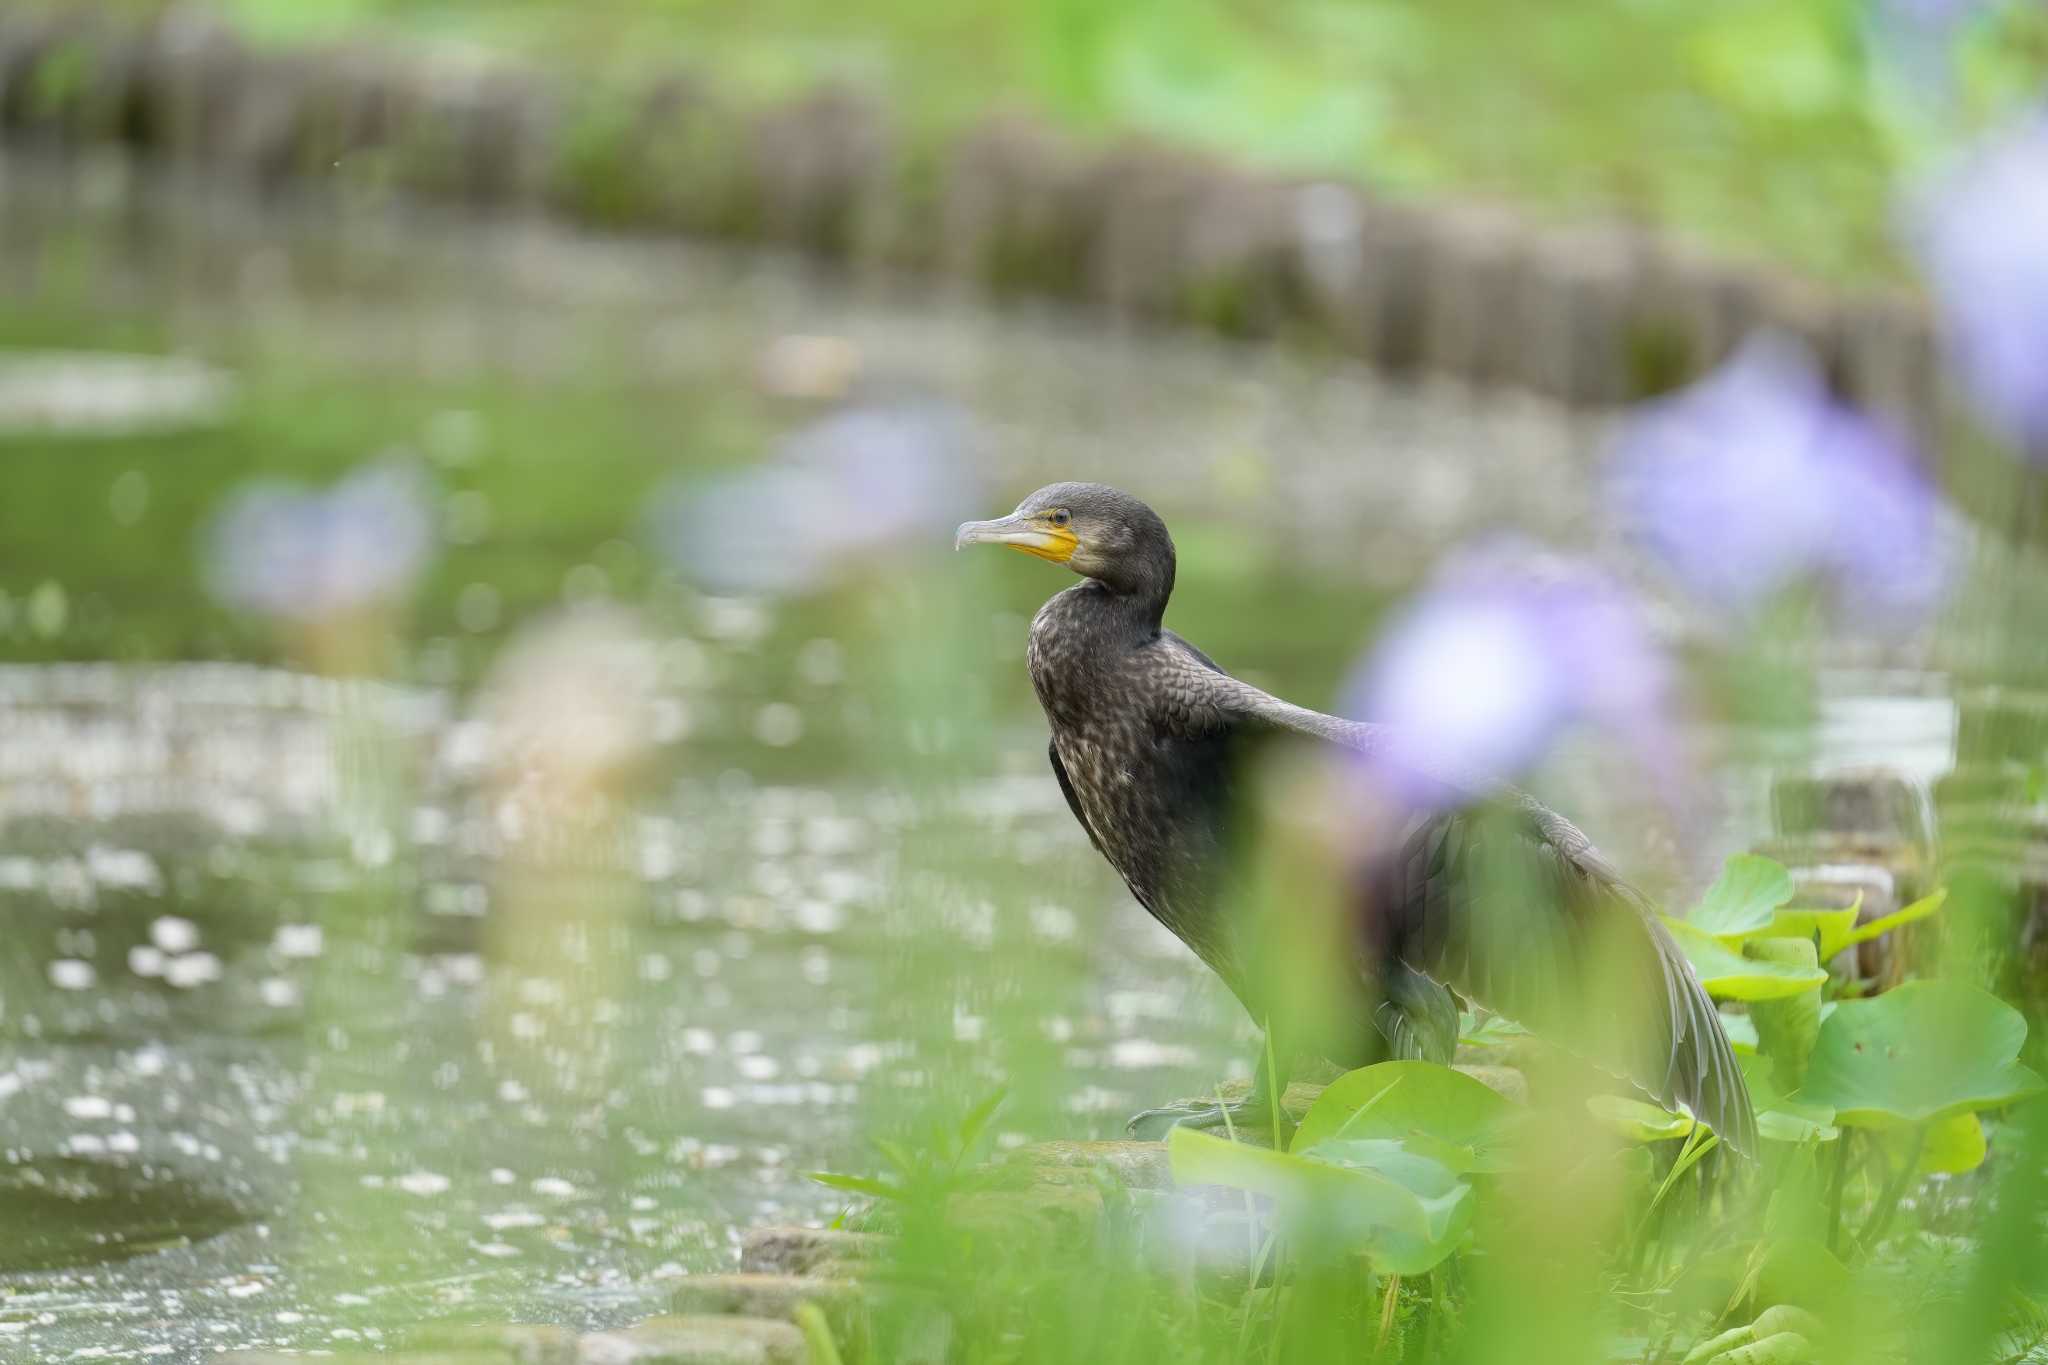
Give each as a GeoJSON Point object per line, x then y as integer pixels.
{"type": "Point", "coordinates": [1204, 1115]}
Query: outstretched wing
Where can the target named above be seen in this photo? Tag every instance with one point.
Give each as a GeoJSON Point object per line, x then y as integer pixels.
{"type": "Point", "coordinates": [1500, 897]}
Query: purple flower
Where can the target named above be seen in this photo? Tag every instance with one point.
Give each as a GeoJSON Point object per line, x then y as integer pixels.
{"type": "Point", "coordinates": [860, 483]}
{"type": "Point", "coordinates": [298, 554]}
{"type": "Point", "coordinates": [1507, 649]}
{"type": "Point", "coordinates": [1981, 232]}
{"type": "Point", "coordinates": [1757, 478]}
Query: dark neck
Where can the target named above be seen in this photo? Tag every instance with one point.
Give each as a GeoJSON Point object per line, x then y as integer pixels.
{"type": "Point", "coordinates": [1135, 606]}
{"type": "Point", "coordinates": [1139, 590]}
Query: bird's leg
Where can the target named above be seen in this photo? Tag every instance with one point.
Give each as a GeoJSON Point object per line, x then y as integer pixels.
{"type": "Point", "coordinates": [1255, 1110]}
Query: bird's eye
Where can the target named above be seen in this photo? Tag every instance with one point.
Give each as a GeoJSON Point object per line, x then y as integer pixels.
{"type": "Point", "coordinates": [1058, 518]}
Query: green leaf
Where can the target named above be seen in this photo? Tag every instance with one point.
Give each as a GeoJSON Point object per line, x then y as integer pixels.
{"type": "Point", "coordinates": [1456, 1119]}
{"type": "Point", "coordinates": [1337, 1208]}
{"type": "Point", "coordinates": [1829, 931]}
{"type": "Point", "coordinates": [1637, 1121]}
{"type": "Point", "coordinates": [1731, 976]}
{"type": "Point", "coordinates": [1787, 1026]}
{"type": "Point", "coordinates": [1496, 1030]}
{"type": "Point", "coordinates": [1918, 910]}
{"type": "Point", "coordinates": [1779, 1117]}
{"type": "Point", "coordinates": [1743, 897]}
{"type": "Point", "coordinates": [1418, 1171]}
{"type": "Point", "coordinates": [1741, 1031]}
{"type": "Point", "coordinates": [857, 1184]}
{"type": "Point", "coordinates": [1926, 1051]}
{"type": "Point", "coordinates": [977, 1118]}
{"type": "Point", "coordinates": [1951, 1147]}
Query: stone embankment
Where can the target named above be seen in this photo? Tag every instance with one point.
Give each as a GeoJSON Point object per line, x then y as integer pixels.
{"type": "Point", "coordinates": [1590, 315]}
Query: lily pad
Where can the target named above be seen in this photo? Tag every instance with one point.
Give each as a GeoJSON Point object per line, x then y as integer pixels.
{"type": "Point", "coordinates": [1743, 898]}
{"type": "Point", "coordinates": [1951, 1147]}
{"type": "Point", "coordinates": [1435, 1109]}
{"type": "Point", "coordinates": [1924, 1052]}
{"type": "Point", "coordinates": [1406, 1229]}
{"type": "Point", "coordinates": [1731, 976]}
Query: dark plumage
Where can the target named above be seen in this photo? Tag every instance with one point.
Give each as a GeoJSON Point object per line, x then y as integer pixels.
{"type": "Point", "coordinates": [1150, 744]}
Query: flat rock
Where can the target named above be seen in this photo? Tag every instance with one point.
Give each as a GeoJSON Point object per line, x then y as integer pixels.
{"type": "Point", "coordinates": [1506, 1081]}
{"type": "Point", "coordinates": [1135, 1165]}
{"type": "Point", "coordinates": [427, 1356]}
{"type": "Point", "coordinates": [803, 1251]}
{"type": "Point", "coordinates": [1875, 802]}
{"type": "Point", "coordinates": [696, 1340]}
{"type": "Point", "coordinates": [1064, 1213]}
{"type": "Point", "coordinates": [776, 1297]}
{"type": "Point", "coordinates": [520, 1343]}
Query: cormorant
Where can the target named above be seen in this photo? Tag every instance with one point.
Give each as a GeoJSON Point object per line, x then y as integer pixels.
{"type": "Point", "coordinates": [1489, 894]}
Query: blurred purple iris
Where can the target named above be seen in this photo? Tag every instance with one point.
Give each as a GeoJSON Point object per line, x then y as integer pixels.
{"type": "Point", "coordinates": [1982, 236]}
{"type": "Point", "coordinates": [301, 554]}
{"type": "Point", "coordinates": [1757, 478]}
{"type": "Point", "coordinates": [1501, 654]}
{"type": "Point", "coordinates": [861, 482]}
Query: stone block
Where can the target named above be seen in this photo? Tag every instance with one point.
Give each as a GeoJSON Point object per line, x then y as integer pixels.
{"type": "Point", "coordinates": [696, 1340]}
{"type": "Point", "coordinates": [806, 1251]}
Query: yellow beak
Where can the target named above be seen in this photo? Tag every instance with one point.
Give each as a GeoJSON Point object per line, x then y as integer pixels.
{"type": "Point", "coordinates": [1029, 534]}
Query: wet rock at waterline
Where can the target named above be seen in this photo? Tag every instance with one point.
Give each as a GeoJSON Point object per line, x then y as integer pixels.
{"type": "Point", "coordinates": [696, 1340]}
{"type": "Point", "coordinates": [1135, 1165]}
{"type": "Point", "coordinates": [775, 1297]}
{"type": "Point", "coordinates": [1875, 802]}
{"type": "Point", "coordinates": [516, 1343]}
{"type": "Point", "coordinates": [807, 1251]}
{"type": "Point", "coordinates": [70, 1211]}
{"type": "Point", "coordinates": [112, 1152]}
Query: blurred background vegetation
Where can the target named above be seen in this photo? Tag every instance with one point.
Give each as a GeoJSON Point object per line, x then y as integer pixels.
{"type": "Point", "coordinates": [1773, 130]}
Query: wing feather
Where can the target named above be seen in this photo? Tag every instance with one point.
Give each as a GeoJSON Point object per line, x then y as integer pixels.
{"type": "Point", "coordinates": [1508, 902]}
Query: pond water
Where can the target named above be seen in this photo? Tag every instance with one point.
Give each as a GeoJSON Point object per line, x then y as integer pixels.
{"type": "Point", "coordinates": [328, 1007]}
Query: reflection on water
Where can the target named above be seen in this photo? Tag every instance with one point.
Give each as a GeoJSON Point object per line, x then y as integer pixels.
{"type": "Point", "coordinates": [405, 1093]}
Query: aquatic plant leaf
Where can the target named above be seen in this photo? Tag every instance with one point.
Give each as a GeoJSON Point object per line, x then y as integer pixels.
{"type": "Point", "coordinates": [1829, 931]}
{"type": "Point", "coordinates": [1417, 1170]}
{"type": "Point", "coordinates": [1495, 1030]}
{"type": "Point", "coordinates": [1787, 1026]}
{"type": "Point", "coordinates": [1638, 1121]}
{"type": "Point", "coordinates": [1744, 897]}
{"type": "Point", "coordinates": [1950, 1147]}
{"type": "Point", "coordinates": [1884, 924]}
{"type": "Point", "coordinates": [1779, 1117]}
{"type": "Point", "coordinates": [1339, 1209]}
{"type": "Point", "coordinates": [1731, 976]}
{"type": "Point", "coordinates": [1457, 1119]}
{"type": "Point", "coordinates": [857, 1184]}
{"type": "Point", "coordinates": [1741, 1031]}
{"type": "Point", "coordinates": [1926, 1051]}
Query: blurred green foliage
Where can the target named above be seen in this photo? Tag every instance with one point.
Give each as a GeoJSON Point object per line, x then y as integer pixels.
{"type": "Point", "coordinates": [1772, 128]}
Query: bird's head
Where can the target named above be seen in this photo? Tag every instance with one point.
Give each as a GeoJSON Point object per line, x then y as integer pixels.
{"type": "Point", "coordinates": [1093, 529]}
